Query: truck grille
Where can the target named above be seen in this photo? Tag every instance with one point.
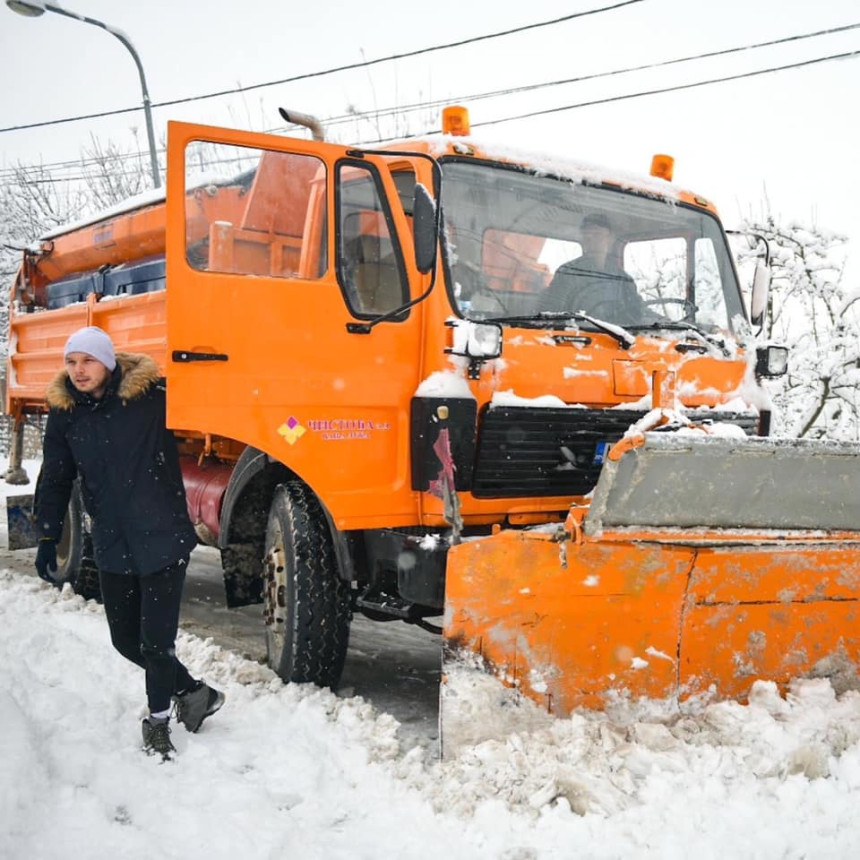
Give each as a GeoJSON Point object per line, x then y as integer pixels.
{"type": "Point", "coordinates": [553, 452]}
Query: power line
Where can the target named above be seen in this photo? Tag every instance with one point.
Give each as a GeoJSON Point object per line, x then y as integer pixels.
{"type": "Point", "coordinates": [661, 63]}
{"type": "Point", "coordinates": [609, 99]}
{"type": "Point", "coordinates": [846, 56]}
{"type": "Point", "coordinates": [589, 77]}
{"type": "Point", "coordinates": [349, 67]}
{"type": "Point", "coordinates": [337, 120]}
{"type": "Point", "coordinates": [349, 117]}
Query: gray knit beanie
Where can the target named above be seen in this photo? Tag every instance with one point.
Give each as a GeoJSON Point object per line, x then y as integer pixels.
{"type": "Point", "coordinates": [95, 342]}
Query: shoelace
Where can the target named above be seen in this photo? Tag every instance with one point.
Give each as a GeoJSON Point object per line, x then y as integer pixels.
{"type": "Point", "coordinates": [159, 738]}
{"type": "Point", "coordinates": [178, 708]}
{"type": "Point", "coordinates": [179, 711]}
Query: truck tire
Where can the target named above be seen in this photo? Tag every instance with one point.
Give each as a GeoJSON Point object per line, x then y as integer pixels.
{"type": "Point", "coordinates": [306, 603]}
{"type": "Point", "coordinates": [75, 561]}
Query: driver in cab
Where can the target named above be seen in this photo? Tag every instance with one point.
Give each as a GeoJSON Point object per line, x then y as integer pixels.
{"type": "Point", "coordinates": [595, 283]}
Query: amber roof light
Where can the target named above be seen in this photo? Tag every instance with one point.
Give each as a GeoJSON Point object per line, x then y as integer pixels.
{"type": "Point", "coordinates": [663, 166]}
{"type": "Point", "coordinates": [455, 120]}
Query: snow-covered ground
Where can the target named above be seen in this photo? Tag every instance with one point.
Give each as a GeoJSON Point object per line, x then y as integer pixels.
{"type": "Point", "coordinates": [293, 771]}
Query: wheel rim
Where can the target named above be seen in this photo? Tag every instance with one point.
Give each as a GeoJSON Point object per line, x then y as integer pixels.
{"type": "Point", "coordinates": [276, 593]}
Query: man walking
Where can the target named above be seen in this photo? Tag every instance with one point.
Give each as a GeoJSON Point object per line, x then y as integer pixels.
{"type": "Point", "coordinates": [107, 425]}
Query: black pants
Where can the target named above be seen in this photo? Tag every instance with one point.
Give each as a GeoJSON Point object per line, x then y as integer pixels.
{"type": "Point", "coordinates": [143, 616]}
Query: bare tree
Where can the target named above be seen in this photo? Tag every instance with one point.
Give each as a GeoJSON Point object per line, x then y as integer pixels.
{"type": "Point", "coordinates": [111, 174]}
{"type": "Point", "coordinates": [818, 318]}
{"type": "Point", "coordinates": [35, 200]}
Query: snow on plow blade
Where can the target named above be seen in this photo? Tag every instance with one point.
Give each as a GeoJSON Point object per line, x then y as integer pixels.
{"type": "Point", "coordinates": [695, 481]}
{"type": "Point", "coordinates": [663, 591]}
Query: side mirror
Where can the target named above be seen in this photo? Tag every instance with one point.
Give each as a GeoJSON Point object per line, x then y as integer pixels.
{"type": "Point", "coordinates": [424, 229]}
{"type": "Point", "coordinates": [760, 291]}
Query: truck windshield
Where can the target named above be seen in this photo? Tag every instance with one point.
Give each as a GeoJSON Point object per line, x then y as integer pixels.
{"type": "Point", "coordinates": [531, 249]}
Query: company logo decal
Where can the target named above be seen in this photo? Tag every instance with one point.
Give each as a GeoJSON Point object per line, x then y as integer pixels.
{"type": "Point", "coordinates": [291, 430]}
{"type": "Point", "coordinates": [343, 429]}
{"type": "Point", "coordinates": [332, 429]}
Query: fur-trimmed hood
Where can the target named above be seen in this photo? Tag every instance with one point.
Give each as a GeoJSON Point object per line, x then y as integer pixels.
{"type": "Point", "coordinates": [128, 465]}
{"type": "Point", "coordinates": [137, 374]}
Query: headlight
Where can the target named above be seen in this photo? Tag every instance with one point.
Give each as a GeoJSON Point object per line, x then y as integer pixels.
{"type": "Point", "coordinates": [475, 340]}
{"type": "Point", "coordinates": [771, 361]}
{"type": "Point", "coordinates": [485, 341]}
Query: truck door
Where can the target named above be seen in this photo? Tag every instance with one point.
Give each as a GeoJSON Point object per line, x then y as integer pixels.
{"type": "Point", "coordinates": [274, 246]}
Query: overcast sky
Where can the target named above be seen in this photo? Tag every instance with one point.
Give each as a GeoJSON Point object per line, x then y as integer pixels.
{"type": "Point", "coordinates": [791, 136]}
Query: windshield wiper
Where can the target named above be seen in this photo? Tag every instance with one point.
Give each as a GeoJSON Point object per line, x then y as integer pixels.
{"type": "Point", "coordinates": [680, 325]}
{"type": "Point", "coordinates": [539, 320]}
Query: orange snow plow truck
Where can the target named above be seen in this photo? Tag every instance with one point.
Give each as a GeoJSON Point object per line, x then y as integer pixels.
{"type": "Point", "coordinates": [511, 399]}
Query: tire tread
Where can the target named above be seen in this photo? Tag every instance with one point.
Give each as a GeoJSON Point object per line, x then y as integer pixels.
{"type": "Point", "coordinates": [317, 633]}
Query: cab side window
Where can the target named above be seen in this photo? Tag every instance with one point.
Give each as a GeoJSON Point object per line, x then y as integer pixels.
{"type": "Point", "coordinates": [254, 212]}
{"type": "Point", "coordinates": [370, 265]}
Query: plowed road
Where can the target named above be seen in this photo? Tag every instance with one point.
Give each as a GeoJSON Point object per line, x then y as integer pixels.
{"type": "Point", "coordinates": [392, 665]}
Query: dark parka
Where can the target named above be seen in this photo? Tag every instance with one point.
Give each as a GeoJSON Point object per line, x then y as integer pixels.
{"type": "Point", "coordinates": [606, 291]}
{"type": "Point", "coordinates": [129, 468]}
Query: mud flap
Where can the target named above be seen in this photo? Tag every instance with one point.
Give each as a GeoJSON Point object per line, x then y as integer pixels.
{"type": "Point", "coordinates": [19, 519]}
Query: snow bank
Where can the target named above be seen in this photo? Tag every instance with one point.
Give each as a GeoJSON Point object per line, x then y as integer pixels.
{"type": "Point", "coordinates": [293, 770]}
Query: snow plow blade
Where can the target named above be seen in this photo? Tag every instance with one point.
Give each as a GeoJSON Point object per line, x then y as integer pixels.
{"type": "Point", "coordinates": [701, 566]}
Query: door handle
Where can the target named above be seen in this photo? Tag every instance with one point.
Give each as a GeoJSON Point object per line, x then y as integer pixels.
{"type": "Point", "coordinates": [184, 355]}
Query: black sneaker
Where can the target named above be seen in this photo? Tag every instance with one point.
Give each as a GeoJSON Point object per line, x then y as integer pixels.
{"type": "Point", "coordinates": [156, 738]}
{"type": "Point", "coordinates": [193, 706]}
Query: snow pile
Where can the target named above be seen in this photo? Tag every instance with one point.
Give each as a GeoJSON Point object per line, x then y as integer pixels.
{"type": "Point", "coordinates": [542, 401]}
{"type": "Point", "coordinates": [445, 383]}
{"type": "Point", "coordinates": [285, 770]}
{"type": "Point", "coordinates": [606, 763]}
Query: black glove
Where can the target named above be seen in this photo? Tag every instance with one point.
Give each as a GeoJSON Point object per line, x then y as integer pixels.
{"type": "Point", "coordinates": [46, 560]}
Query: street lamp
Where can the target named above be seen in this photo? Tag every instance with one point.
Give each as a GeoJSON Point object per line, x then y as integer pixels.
{"type": "Point", "coordinates": [33, 9]}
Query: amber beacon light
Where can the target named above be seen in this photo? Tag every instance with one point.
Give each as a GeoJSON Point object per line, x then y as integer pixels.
{"type": "Point", "coordinates": [455, 120]}
{"type": "Point", "coordinates": [663, 166]}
